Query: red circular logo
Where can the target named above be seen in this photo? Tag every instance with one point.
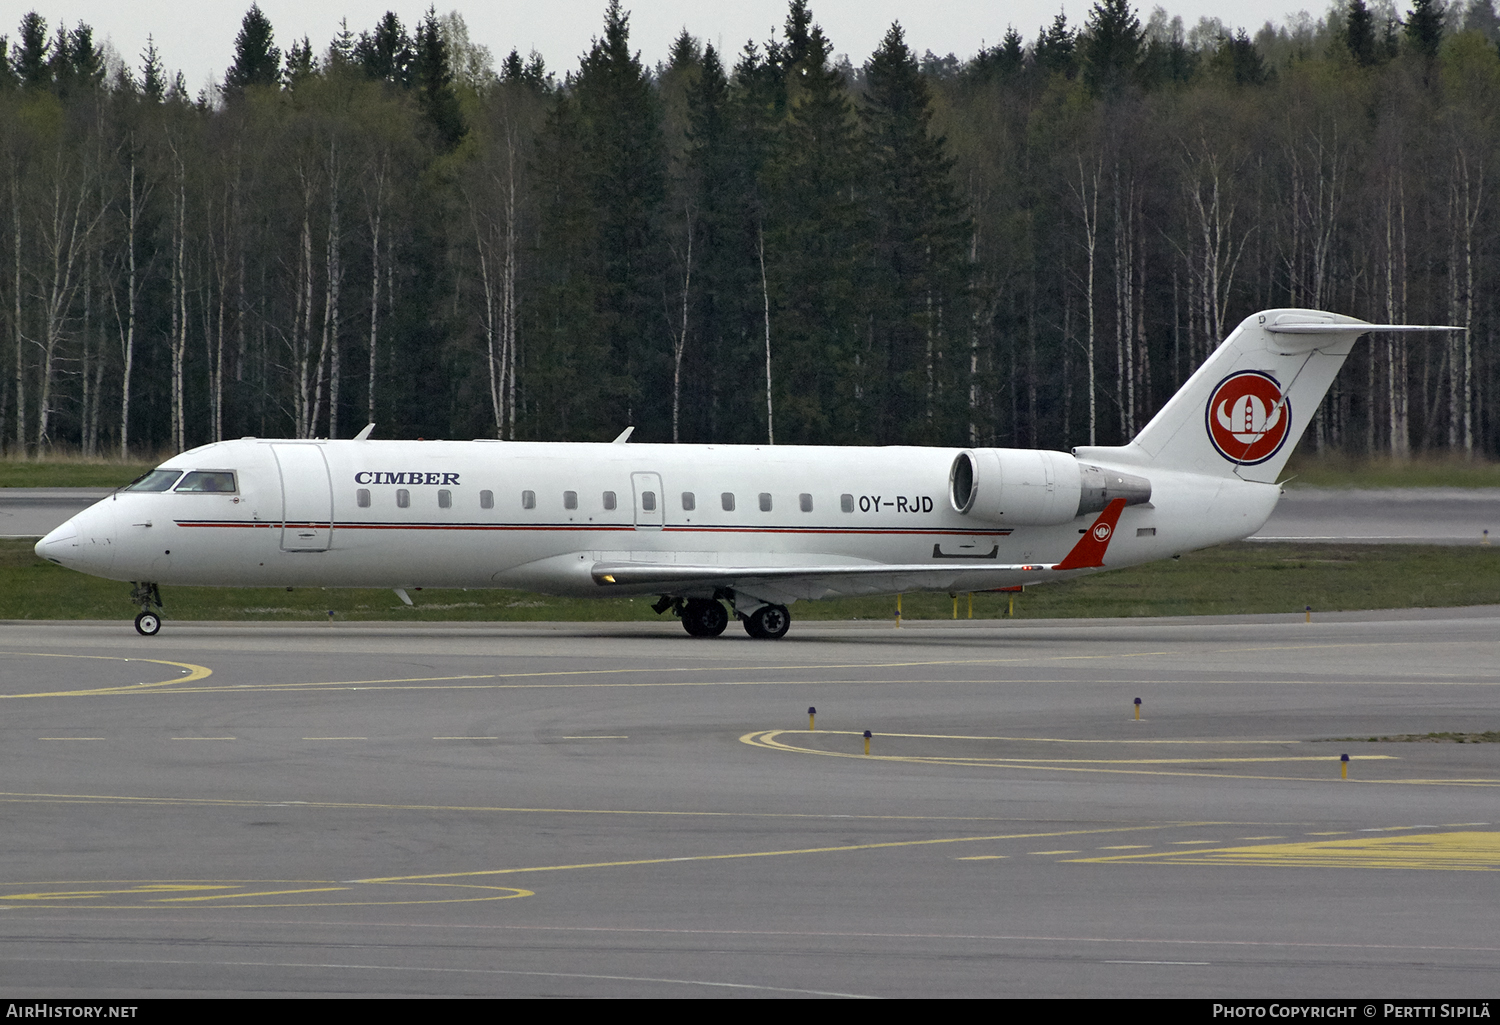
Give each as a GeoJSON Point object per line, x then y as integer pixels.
{"type": "Point", "coordinates": [1248, 420]}
{"type": "Point", "coordinates": [1101, 532]}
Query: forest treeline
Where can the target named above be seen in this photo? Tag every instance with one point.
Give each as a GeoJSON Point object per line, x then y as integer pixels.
{"type": "Point", "coordinates": [1030, 246]}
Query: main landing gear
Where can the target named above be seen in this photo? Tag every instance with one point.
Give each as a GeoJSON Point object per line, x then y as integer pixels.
{"type": "Point", "coordinates": [768, 623]}
{"type": "Point", "coordinates": [704, 617]}
{"type": "Point", "coordinates": [147, 623]}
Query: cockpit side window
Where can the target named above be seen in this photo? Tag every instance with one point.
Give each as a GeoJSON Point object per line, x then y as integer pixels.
{"type": "Point", "coordinates": [215, 481]}
{"type": "Point", "coordinates": [156, 480]}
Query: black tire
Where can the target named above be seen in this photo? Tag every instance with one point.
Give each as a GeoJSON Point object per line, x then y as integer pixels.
{"type": "Point", "coordinates": [768, 623]}
{"type": "Point", "coordinates": [704, 618]}
{"type": "Point", "coordinates": [148, 624]}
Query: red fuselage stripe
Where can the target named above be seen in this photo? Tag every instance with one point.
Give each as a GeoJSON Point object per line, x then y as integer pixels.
{"type": "Point", "coordinates": [228, 524]}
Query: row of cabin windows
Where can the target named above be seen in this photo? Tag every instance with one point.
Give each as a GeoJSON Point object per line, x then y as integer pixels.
{"type": "Point", "coordinates": [570, 500]}
{"type": "Point", "coordinates": [403, 499]}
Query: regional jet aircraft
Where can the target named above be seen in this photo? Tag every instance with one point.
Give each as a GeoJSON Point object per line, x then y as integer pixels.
{"type": "Point", "coordinates": [719, 529]}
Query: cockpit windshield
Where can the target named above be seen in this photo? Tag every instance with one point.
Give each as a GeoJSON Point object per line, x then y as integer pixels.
{"type": "Point", "coordinates": [156, 480]}
{"type": "Point", "coordinates": [218, 481]}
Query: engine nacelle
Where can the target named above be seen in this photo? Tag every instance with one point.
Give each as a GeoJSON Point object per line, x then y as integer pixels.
{"type": "Point", "coordinates": [1036, 488]}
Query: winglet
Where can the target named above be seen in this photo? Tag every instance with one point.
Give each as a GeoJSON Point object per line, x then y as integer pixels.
{"type": "Point", "coordinates": [624, 436]}
{"type": "Point", "coordinates": [364, 435]}
{"type": "Point", "coordinates": [1088, 553]}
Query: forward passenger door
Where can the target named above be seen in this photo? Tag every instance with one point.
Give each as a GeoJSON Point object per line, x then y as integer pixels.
{"type": "Point", "coordinates": [306, 498]}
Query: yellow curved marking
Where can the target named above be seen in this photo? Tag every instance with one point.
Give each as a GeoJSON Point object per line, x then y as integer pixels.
{"type": "Point", "coordinates": [162, 895]}
{"type": "Point", "coordinates": [457, 680]}
{"type": "Point", "coordinates": [1464, 851]}
{"type": "Point", "coordinates": [768, 739]}
{"type": "Point", "coordinates": [194, 672]}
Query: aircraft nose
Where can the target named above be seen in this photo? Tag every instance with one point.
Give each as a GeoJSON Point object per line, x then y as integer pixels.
{"type": "Point", "coordinates": [62, 539]}
{"type": "Point", "coordinates": [85, 542]}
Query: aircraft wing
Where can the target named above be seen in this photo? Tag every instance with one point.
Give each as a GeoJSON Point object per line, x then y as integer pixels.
{"type": "Point", "coordinates": [815, 581]}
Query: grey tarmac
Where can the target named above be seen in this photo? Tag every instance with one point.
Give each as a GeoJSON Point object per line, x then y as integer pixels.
{"type": "Point", "coordinates": [1443, 516]}
{"type": "Point", "coordinates": [621, 810]}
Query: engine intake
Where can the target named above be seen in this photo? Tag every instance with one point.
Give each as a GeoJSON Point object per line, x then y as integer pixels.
{"type": "Point", "coordinates": [1033, 487]}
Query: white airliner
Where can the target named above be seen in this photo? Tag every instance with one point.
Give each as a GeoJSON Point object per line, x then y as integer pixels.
{"type": "Point", "coordinates": [704, 526]}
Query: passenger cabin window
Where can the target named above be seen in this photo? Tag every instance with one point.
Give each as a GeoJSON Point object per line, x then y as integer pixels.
{"type": "Point", "coordinates": [765, 502]}
{"type": "Point", "coordinates": [806, 502]}
{"type": "Point", "coordinates": [445, 500]}
{"type": "Point", "coordinates": [727, 498]}
{"type": "Point", "coordinates": [609, 501]}
{"type": "Point", "coordinates": [362, 498]}
{"type": "Point", "coordinates": [846, 503]}
{"type": "Point", "coordinates": [156, 480]}
{"type": "Point", "coordinates": [570, 500]}
{"type": "Point", "coordinates": [648, 501]}
{"type": "Point", "coordinates": [528, 500]}
{"type": "Point", "coordinates": [688, 501]}
{"type": "Point", "coordinates": [403, 498]}
{"type": "Point", "coordinates": [486, 500]}
{"type": "Point", "coordinates": [217, 481]}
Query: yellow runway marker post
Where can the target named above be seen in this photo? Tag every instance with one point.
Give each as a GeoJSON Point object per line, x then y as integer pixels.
{"type": "Point", "coordinates": [812, 718]}
{"type": "Point", "coordinates": [867, 741]}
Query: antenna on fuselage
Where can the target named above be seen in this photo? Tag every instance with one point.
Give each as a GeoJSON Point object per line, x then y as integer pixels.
{"type": "Point", "coordinates": [364, 435]}
{"type": "Point", "coordinates": [624, 436]}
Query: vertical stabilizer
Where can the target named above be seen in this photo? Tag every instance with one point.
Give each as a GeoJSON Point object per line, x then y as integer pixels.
{"type": "Point", "coordinates": [1242, 412]}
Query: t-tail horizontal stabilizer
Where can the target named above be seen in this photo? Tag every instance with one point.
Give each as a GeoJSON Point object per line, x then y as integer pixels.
{"type": "Point", "coordinates": [1242, 411]}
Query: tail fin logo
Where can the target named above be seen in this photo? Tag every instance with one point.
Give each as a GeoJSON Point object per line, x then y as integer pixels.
{"type": "Point", "coordinates": [1102, 531]}
{"type": "Point", "coordinates": [1248, 419]}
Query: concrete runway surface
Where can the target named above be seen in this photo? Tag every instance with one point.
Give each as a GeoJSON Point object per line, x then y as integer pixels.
{"type": "Point", "coordinates": [620, 810]}
{"type": "Point", "coordinates": [1444, 516]}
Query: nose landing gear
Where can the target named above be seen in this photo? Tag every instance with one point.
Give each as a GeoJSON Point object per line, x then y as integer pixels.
{"type": "Point", "coordinates": [146, 595]}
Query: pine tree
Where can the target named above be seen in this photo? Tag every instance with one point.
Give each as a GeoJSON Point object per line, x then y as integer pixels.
{"type": "Point", "coordinates": [257, 61]}
{"type": "Point", "coordinates": [619, 141]}
{"type": "Point", "coordinates": [1235, 59]}
{"type": "Point", "coordinates": [153, 75]}
{"type": "Point", "coordinates": [918, 233]}
{"type": "Point", "coordinates": [1424, 28]}
{"type": "Point", "coordinates": [1359, 33]}
{"type": "Point", "coordinates": [1056, 51]}
{"type": "Point", "coordinates": [386, 53]}
{"type": "Point", "coordinates": [432, 76]}
{"type": "Point", "coordinates": [341, 49]}
{"type": "Point", "coordinates": [32, 51]}
{"type": "Point", "coordinates": [812, 242]}
{"type": "Point", "coordinates": [300, 63]}
{"type": "Point", "coordinates": [1111, 47]}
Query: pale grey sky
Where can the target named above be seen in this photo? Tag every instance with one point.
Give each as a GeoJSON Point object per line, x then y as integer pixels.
{"type": "Point", "coordinates": [198, 37]}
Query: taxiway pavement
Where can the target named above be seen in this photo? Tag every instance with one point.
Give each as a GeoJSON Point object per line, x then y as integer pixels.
{"type": "Point", "coordinates": [620, 810]}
